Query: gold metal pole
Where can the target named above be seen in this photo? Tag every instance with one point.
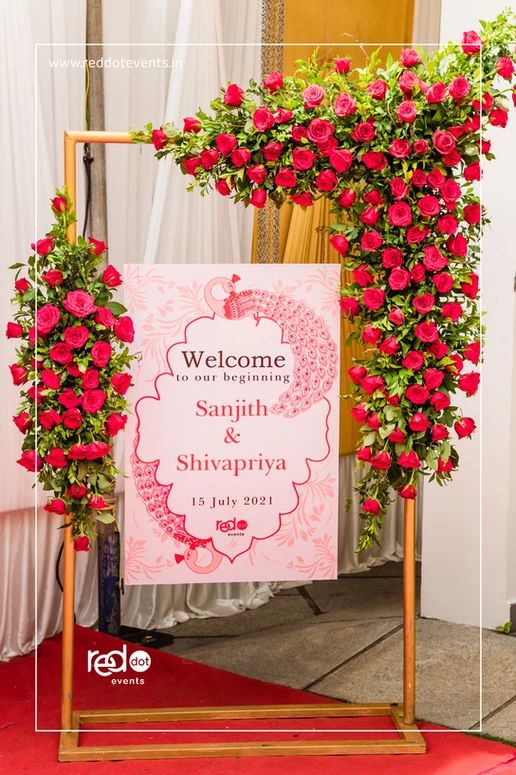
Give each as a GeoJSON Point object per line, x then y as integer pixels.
{"type": "Point", "coordinates": [409, 613]}
{"type": "Point", "coordinates": [67, 635]}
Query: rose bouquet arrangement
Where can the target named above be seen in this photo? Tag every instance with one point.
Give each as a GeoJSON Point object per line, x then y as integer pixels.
{"type": "Point", "coordinates": [71, 366]}
{"type": "Point", "coordinates": [397, 148]}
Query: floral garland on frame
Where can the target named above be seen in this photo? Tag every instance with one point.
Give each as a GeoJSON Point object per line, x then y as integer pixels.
{"type": "Point", "coordinates": [71, 368]}
{"type": "Point", "coordinates": [397, 150]}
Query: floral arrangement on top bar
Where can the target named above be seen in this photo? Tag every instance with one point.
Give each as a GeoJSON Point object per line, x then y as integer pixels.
{"type": "Point", "coordinates": [397, 150]}
{"type": "Point", "coordinates": [70, 367]}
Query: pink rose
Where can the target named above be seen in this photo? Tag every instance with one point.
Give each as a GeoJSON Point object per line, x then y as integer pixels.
{"type": "Point", "coordinates": [90, 378]}
{"type": "Point", "coordinates": [263, 119]}
{"type": "Point", "coordinates": [471, 43]}
{"type": "Point", "coordinates": [396, 316]}
{"type": "Point", "coordinates": [50, 379]}
{"type": "Point", "coordinates": [13, 330]}
{"type": "Point", "coordinates": [313, 96]}
{"type": "Point", "coordinates": [369, 216]}
{"type": "Point", "coordinates": [399, 214]}
{"type": "Point", "coordinates": [302, 158]}
{"type": "Point", "coordinates": [505, 67]}
{"type": "Point", "coordinates": [298, 133]}
{"type": "Point", "coordinates": [344, 105]}
{"type": "Point", "coordinates": [43, 246]}
{"type": "Point", "coordinates": [101, 353]}
{"type": "Point", "coordinates": [419, 422]}
{"type": "Point", "coordinates": [433, 259]}
{"type": "Point", "coordinates": [465, 427]}
{"type": "Point", "coordinates": [356, 374]}
{"type": "Point", "coordinates": [433, 378]}
{"type": "Point", "coordinates": [97, 246]}
{"type": "Point", "coordinates": [382, 461]}
{"type": "Point", "coordinates": [435, 178]}
{"type": "Point", "coordinates": [76, 336]}
{"type": "Point", "coordinates": [444, 142]}
{"type": "Point", "coordinates": [370, 334]}
{"type": "Point", "coordinates": [429, 206]}
{"type": "Point", "coordinates": [407, 81]}
{"type": "Point", "coordinates": [56, 506]}
{"type": "Point", "coordinates": [362, 276]}
{"type": "Point", "coordinates": [79, 303]}
{"type": "Point", "coordinates": [399, 279]}
{"type": "Point", "coordinates": [364, 132]}
{"type": "Point", "coordinates": [347, 198]}
{"type": "Point", "coordinates": [273, 81]}
{"type": "Point", "coordinates": [439, 432]}
{"type": "Point", "coordinates": [472, 214]}
{"type": "Point", "coordinates": [419, 178]}
{"type": "Point", "coordinates": [371, 240]}
{"type": "Point", "coordinates": [104, 317]}
{"type": "Point", "coordinates": [320, 130]}
{"type": "Point", "coordinates": [413, 360]}
{"type": "Point", "coordinates": [93, 400]}
{"type": "Point", "coordinates": [459, 88]}
{"type": "Point", "coordinates": [234, 95]}
{"type": "Point", "coordinates": [436, 93]}
{"type": "Point", "coordinates": [61, 353]}
{"type": "Point", "coordinates": [18, 374]}
{"type": "Point", "coordinates": [377, 89]}
{"type": "Point", "coordinates": [23, 421]}
{"type": "Point", "coordinates": [427, 332]}
{"type": "Point", "coordinates": [452, 310]}
{"type": "Point", "coordinates": [124, 329]}
{"type": "Point", "coordinates": [447, 224]}
{"type": "Point", "coordinates": [409, 460]}
{"type": "Point", "coordinates": [256, 173]}
{"type": "Point", "coordinates": [47, 319]}
{"type": "Point", "coordinates": [371, 384]}
{"type": "Point", "coordinates": [374, 160]}
{"type": "Point", "coordinates": [49, 419]}
{"type": "Point", "coordinates": [420, 147]}
{"type": "Point", "coordinates": [406, 111]}
{"type": "Point", "coordinates": [423, 303]}
{"type": "Point", "coordinates": [52, 277]}
{"type": "Point", "coordinates": [400, 149]}
{"type": "Point", "coordinates": [69, 398]}
{"type": "Point", "coordinates": [409, 57]}
{"type": "Point", "coordinates": [440, 401]}
{"type": "Point", "coordinates": [399, 189]}
{"type": "Point", "coordinates": [21, 285]}
{"type": "Point", "coordinates": [392, 257]}
{"type": "Point", "coordinates": [458, 245]}
{"type": "Point", "coordinates": [389, 346]}
{"type": "Point", "coordinates": [417, 394]}
{"type": "Point", "coordinates": [223, 189]}
{"type": "Point", "coordinates": [81, 544]}
{"type": "Point", "coordinates": [304, 199]}
{"type": "Point", "coordinates": [374, 298]}
{"type": "Point", "coordinates": [443, 282]}
{"type": "Point", "coordinates": [349, 306]}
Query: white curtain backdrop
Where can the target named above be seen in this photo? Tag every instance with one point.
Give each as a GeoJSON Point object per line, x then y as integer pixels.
{"type": "Point", "coordinates": [151, 218]}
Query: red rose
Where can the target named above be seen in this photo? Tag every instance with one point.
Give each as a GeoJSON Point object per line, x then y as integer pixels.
{"type": "Point", "coordinates": [121, 383]}
{"type": "Point", "coordinates": [452, 310]}
{"type": "Point", "coordinates": [72, 419]}
{"type": "Point", "coordinates": [222, 187]}
{"type": "Point", "coordinates": [81, 544]}
{"type": "Point", "coordinates": [240, 157]}
{"type": "Point", "coordinates": [420, 147]}
{"type": "Point", "coordinates": [30, 460]}
{"type": "Point", "coordinates": [159, 139]}
{"type": "Point", "coordinates": [359, 411]}
{"type": "Point", "coordinates": [400, 149]}
{"type": "Point", "coordinates": [59, 204]}
{"type": "Point", "coordinates": [344, 105]}
{"type": "Point", "coordinates": [428, 206]}
{"type": "Point", "coordinates": [111, 277]}
{"type": "Point", "coordinates": [363, 132]}
{"type": "Point", "coordinates": [272, 151]}
{"type": "Point", "coordinates": [50, 379]}
{"type": "Point", "coordinates": [273, 81]}
{"type": "Point", "coordinates": [76, 336]}
{"type": "Point", "coordinates": [472, 352]}
{"type": "Point", "coordinates": [444, 466]}
{"type": "Point", "coordinates": [304, 199]}
{"type": "Point", "coordinates": [69, 398]}
{"type": "Point", "coordinates": [370, 334]}
{"type": "Point", "coordinates": [90, 379]}
{"type": "Point", "coordinates": [349, 305]}
{"type": "Point", "coordinates": [347, 198]}
{"type": "Point", "coordinates": [52, 277]}
{"type": "Point", "coordinates": [339, 243]}
{"type": "Point", "coordinates": [418, 394]}
{"type": "Point", "coordinates": [406, 111]}
{"type": "Point", "coordinates": [21, 285]}
{"type": "Point", "coordinates": [263, 119]}
{"type": "Point", "coordinates": [97, 502]}
{"type": "Point", "coordinates": [472, 214]}
{"type": "Point", "coordinates": [61, 353]}
{"type": "Point", "coordinates": [114, 423]}
{"type": "Point", "coordinates": [433, 260]}
{"type": "Point", "coordinates": [56, 506]}
{"type": "Point", "coordinates": [464, 427]}
{"type": "Point", "coordinates": [357, 373]}
{"type": "Point", "coordinates": [100, 354]}
{"type": "Point", "coordinates": [408, 81]}
{"type": "Point", "coordinates": [447, 224]}
{"type": "Point", "coordinates": [298, 133]}
{"type": "Point", "coordinates": [505, 67]}
{"type": "Point", "coordinates": [377, 89]}
{"type": "Point", "coordinates": [438, 349]}
{"type": "Point", "coordinates": [433, 378]}
{"type": "Point", "coordinates": [209, 157]}
{"type": "Point", "coordinates": [342, 64]}
{"type": "Point", "coordinates": [13, 330]}
{"type": "Point", "coordinates": [374, 160]}
{"type": "Point", "coordinates": [382, 461]}
{"type": "Point", "coordinates": [93, 400]}
{"type": "Point", "coordinates": [371, 240]}
{"type": "Point", "coordinates": [418, 178]}
{"type": "Point", "coordinates": [371, 506]}
{"type": "Point", "coordinates": [444, 142]}
{"type": "Point", "coordinates": [397, 436]}
{"type": "Point", "coordinates": [302, 158]}
{"type": "Point", "coordinates": [226, 143]}
{"type": "Point", "coordinates": [191, 124]}
{"type": "Point", "coordinates": [56, 458]}
{"type": "Point", "coordinates": [409, 460]}
{"type": "Point", "coordinates": [472, 172]}
{"type": "Point", "coordinates": [47, 319]}
{"type": "Point", "coordinates": [320, 130]}
{"type": "Point", "coordinates": [124, 329]}
{"type": "Point", "coordinates": [427, 331]}
{"type": "Point", "coordinates": [423, 303]}
{"type": "Point", "coordinates": [233, 96]}
{"type": "Point", "coordinates": [340, 160]}
{"type": "Point", "coordinates": [409, 57]}
{"type": "Point", "coordinates": [313, 96]}
{"type": "Point", "coordinates": [450, 190]}
{"type": "Point", "coordinates": [73, 370]}
{"type": "Point", "coordinates": [469, 382]}
{"type": "Point", "coordinates": [373, 197]}
{"type": "Point", "coordinates": [435, 178]}
{"type": "Point", "coordinates": [413, 360]}
{"type": "Point", "coordinates": [471, 43]}
{"type": "Point", "coordinates": [392, 257]}
{"type": "Point", "coordinates": [459, 88]}
{"type": "Point", "coordinates": [389, 346]}
{"type": "Point", "coordinates": [470, 289]}
{"type": "Point", "coordinates": [399, 189]}
{"type": "Point", "coordinates": [77, 490]}
{"type": "Point", "coordinates": [362, 276]}
{"type": "Point", "coordinates": [285, 178]}
{"type": "Point", "coordinates": [374, 298]}
{"type": "Point", "coordinates": [22, 421]}
{"type": "Point", "coordinates": [104, 317]}
{"type": "Point", "coordinates": [439, 432]}
{"type": "Point", "coordinates": [399, 214]}
{"type": "Point", "coordinates": [436, 93]}
{"type": "Point", "coordinates": [97, 246]}
{"type": "Point", "coordinates": [258, 198]}
{"type": "Point", "coordinates": [408, 491]}
{"type": "Point", "coordinates": [440, 401]}
{"type": "Point", "coordinates": [79, 303]}
{"type": "Point", "coordinates": [399, 279]}
{"type": "Point", "coordinates": [49, 419]}
{"type": "Point", "coordinates": [419, 422]}
{"type": "Point", "coordinates": [36, 394]}
{"type": "Point", "coordinates": [326, 180]}
{"type": "Point", "coordinates": [371, 384]}
{"type": "Point", "coordinates": [396, 316]}
{"type": "Point", "coordinates": [43, 246]}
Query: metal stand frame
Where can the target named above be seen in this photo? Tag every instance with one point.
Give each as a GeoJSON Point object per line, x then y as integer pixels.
{"type": "Point", "coordinates": [403, 717]}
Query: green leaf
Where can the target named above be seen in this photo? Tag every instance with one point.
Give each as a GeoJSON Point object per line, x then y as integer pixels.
{"type": "Point", "coordinates": [116, 308]}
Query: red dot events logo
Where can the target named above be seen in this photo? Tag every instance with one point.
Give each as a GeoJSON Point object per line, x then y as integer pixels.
{"type": "Point", "coordinates": [118, 661]}
{"type": "Point", "coordinates": [230, 525]}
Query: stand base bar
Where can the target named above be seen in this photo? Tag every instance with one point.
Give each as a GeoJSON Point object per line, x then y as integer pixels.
{"type": "Point", "coordinates": [410, 741]}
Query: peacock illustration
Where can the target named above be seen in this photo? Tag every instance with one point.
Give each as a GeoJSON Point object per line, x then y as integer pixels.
{"type": "Point", "coordinates": [315, 352]}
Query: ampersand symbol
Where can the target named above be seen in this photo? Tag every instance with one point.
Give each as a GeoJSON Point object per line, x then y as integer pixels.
{"type": "Point", "coordinates": [231, 436]}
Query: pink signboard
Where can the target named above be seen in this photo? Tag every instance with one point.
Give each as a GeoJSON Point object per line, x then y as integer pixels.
{"type": "Point", "coordinates": [232, 448]}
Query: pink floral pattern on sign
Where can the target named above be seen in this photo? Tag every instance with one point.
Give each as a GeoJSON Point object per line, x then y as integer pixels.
{"type": "Point", "coordinates": [234, 441]}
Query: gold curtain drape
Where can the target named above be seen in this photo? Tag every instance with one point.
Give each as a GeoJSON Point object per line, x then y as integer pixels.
{"type": "Point", "coordinates": [302, 237]}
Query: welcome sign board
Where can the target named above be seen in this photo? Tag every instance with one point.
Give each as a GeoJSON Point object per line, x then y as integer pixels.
{"type": "Point", "coordinates": [232, 449]}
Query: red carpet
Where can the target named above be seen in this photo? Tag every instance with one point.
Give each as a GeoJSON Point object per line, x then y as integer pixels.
{"type": "Point", "coordinates": [174, 681]}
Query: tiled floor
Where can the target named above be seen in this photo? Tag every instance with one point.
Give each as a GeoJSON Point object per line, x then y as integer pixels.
{"type": "Point", "coordinates": [343, 639]}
